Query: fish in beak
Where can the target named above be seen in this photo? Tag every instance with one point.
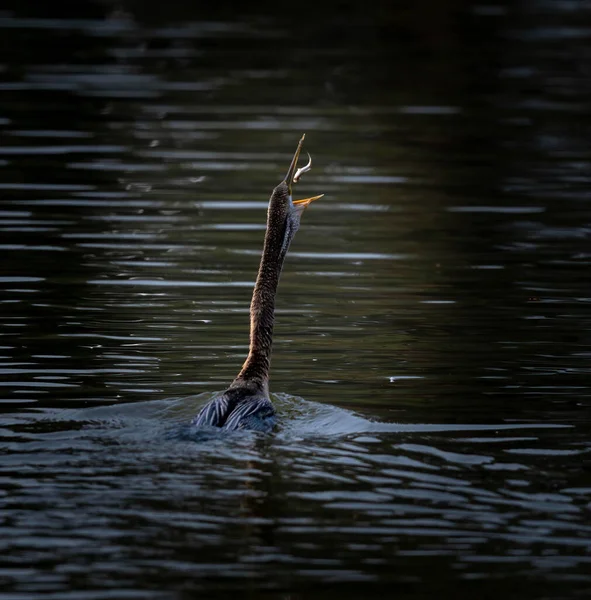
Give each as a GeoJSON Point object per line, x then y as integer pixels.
{"type": "Point", "coordinates": [294, 174]}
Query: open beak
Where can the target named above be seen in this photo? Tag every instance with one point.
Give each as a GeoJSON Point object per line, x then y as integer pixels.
{"type": "Point", "coordinates": [289, 178]}
{"type": "Point", "coordinates": [294, 175]}
{"type": "Point", "coordinates": [304, 203]}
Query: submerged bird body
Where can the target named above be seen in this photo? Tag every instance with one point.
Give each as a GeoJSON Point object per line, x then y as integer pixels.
{"type": "Point", "coordinates": [246, 403]}
{"type": "Point", "coordinates": [239, 408]}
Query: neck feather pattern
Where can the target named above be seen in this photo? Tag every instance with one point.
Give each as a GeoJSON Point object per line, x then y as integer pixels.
{"type": "Point", "coordinates": [262, 307]}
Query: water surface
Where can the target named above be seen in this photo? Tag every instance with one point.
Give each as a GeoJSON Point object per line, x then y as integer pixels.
{"type": "Point", "coordinates": [432, 344]}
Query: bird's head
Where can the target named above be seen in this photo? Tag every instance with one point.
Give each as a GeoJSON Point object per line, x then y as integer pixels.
{"type": "Point", "coordinates": [284, 212]}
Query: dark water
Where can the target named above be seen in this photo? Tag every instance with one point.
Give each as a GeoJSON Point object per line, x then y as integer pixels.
{"type": "Point", "coordinates": [431, 364]}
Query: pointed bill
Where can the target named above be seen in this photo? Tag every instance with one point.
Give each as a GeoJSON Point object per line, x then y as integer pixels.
{"type": "Point", "coordinates": [303, 203]}
{"type": "Point", "coordinates": [294, 163]}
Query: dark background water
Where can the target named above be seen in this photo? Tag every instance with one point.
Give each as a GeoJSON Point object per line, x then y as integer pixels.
{"type": "Point", "coordinates": [433, 332]}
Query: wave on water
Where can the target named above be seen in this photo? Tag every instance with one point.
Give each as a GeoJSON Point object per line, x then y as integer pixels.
{"type": "Point", "coordinates": [170, 420]}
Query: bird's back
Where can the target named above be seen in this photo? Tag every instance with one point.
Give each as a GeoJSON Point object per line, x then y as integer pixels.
{"type": "Point", "coordinates": [238, 408]}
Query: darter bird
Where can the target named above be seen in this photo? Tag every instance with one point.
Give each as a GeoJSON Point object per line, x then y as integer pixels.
{"type": "Point", "coordinates": [246, 403]}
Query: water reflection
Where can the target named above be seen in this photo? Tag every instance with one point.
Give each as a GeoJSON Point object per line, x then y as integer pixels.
{"type": "Point", "coordinates": [432, 311]}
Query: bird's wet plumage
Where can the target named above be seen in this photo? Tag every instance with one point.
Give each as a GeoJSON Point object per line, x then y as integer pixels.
{"type": "Point", "coordinates": [246, 403]}
{"type": "Point", "coordinates": [236, 410]}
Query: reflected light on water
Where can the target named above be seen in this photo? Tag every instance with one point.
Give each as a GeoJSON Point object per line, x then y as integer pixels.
{"type": "Point", "coordinates": [431, 364]}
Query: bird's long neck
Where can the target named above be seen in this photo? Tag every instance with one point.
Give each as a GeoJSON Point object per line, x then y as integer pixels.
{"type": "Point", "coordinates": [262, 307]}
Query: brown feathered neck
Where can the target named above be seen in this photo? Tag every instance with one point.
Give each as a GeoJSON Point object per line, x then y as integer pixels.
{"type": "Point", "coordinates": [280, 230]}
